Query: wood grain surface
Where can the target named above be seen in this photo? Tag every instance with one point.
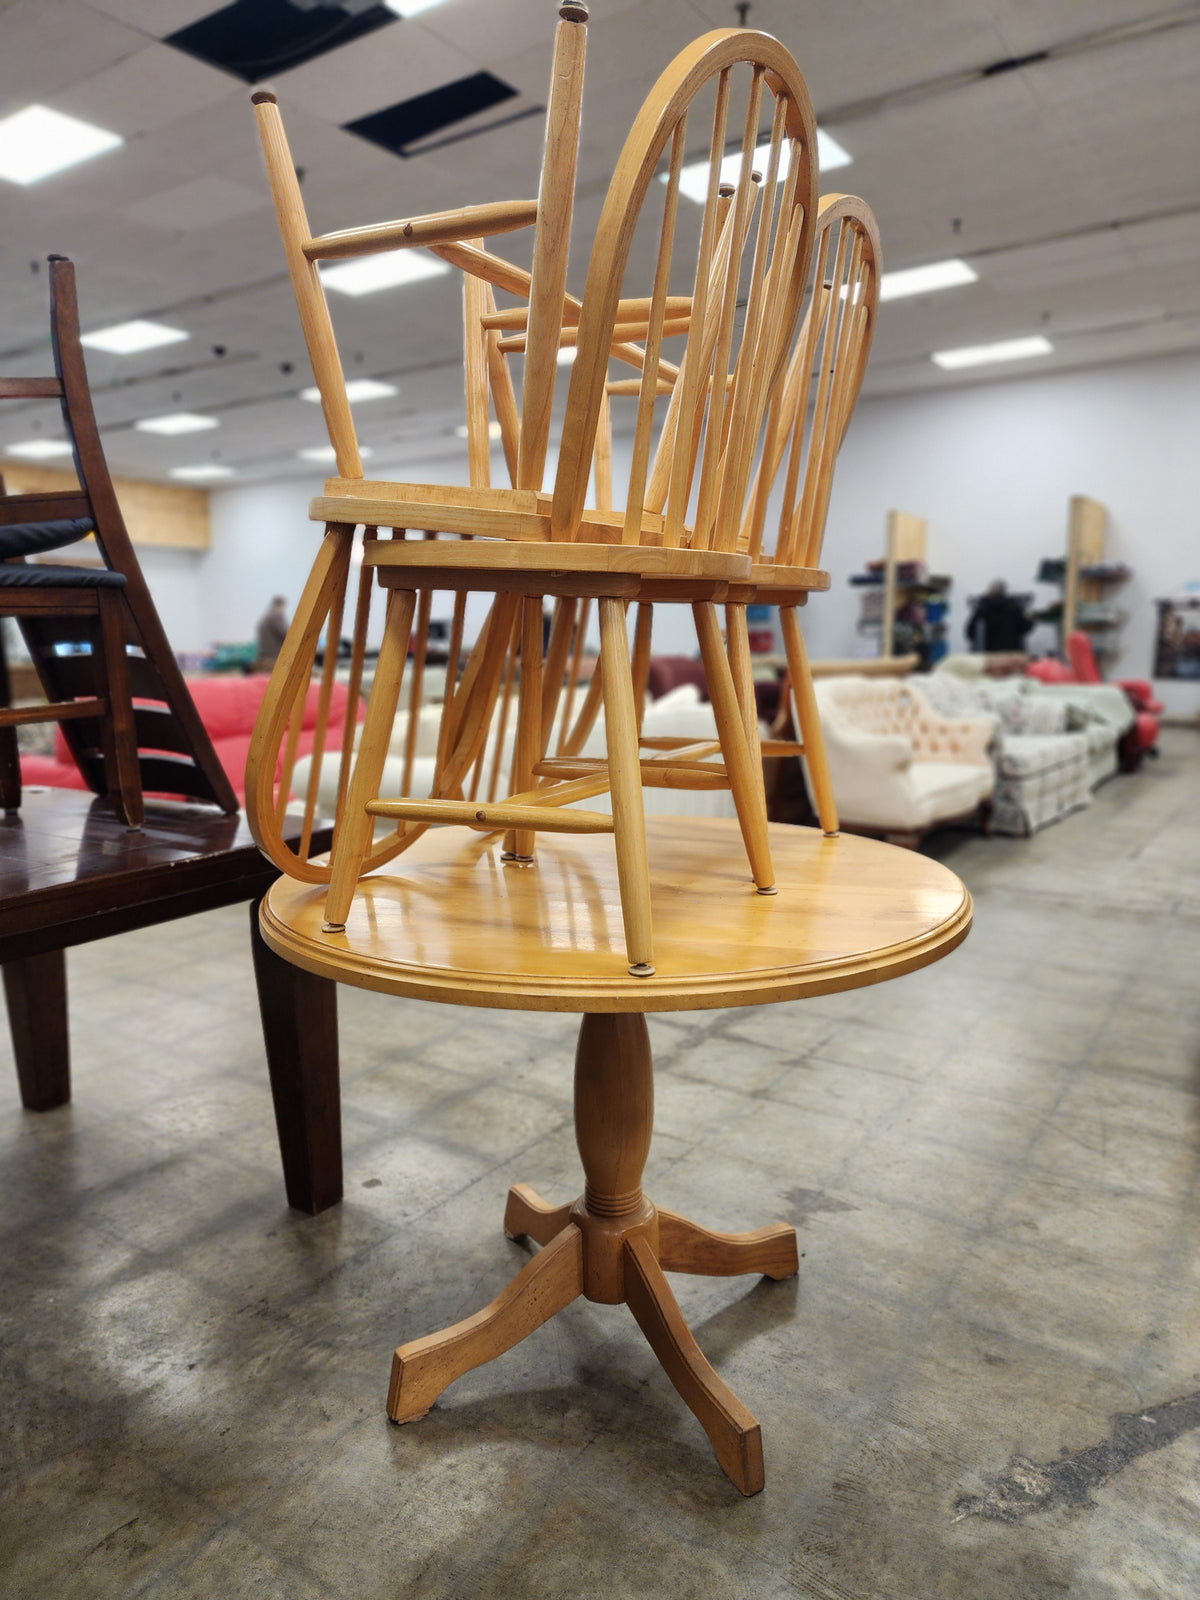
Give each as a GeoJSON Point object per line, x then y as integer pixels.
{"type": "Point", "coordinates": [452, 922]}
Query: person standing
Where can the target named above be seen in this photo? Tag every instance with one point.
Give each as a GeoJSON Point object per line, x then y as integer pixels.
{"type": "Point", "coordinates": [270, 634]}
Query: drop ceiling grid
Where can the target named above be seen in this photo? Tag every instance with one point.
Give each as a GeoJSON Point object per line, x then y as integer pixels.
{"type": "Point", "coordinates": [1026, 156]}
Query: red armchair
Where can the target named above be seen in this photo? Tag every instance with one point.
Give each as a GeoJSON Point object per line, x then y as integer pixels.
{"type": "Point", "coordinates": [1083, 660]}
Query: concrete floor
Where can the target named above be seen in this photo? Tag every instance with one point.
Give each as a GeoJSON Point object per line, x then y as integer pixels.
{"type": "Point", "coordinates": [985, 1383]}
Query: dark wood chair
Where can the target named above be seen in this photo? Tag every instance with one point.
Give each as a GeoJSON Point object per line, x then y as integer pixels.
{"type": "Point", "coordinates": [94, 637]}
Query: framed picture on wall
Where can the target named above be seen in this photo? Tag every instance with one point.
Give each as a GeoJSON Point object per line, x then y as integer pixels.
{"type": "Point", "coordinates": [1177, 646]}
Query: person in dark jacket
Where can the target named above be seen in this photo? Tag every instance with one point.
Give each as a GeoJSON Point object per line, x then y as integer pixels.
{"type": "Point", "coordinates": [999, 621]}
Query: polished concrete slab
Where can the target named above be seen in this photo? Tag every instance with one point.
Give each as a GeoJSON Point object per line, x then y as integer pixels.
{"type": "Point", "coordinates": [985, 1383]}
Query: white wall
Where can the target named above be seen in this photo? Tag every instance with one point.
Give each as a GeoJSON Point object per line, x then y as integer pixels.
{"type": "Point", "coordinates": [991, 466]}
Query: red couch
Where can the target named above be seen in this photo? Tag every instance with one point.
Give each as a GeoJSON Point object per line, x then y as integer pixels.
{"type": "Point", "coordinates": [227, 707]}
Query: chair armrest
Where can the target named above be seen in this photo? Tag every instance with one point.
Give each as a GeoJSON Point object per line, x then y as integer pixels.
{"type": "Point", "coordinates": [439, 227]}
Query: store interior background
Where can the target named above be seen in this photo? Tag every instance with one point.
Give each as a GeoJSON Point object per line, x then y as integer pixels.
{"type": "Point", "coordinates": [1067, 182]}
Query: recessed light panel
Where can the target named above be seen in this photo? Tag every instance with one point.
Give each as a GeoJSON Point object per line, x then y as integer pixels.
{"type": "Point", "coordinates": [411, 8]}
{"type": "Point", "coordinates": [693, 179]}
{"type": "Point", "coordinates": [369, 274]}
{"type": "Point", "coordinates": [924, 280]}
{"type": "Point", "coordinates": [255, 38]}
{"type": "Point", "coordinates": [357, 389]}
{"type": "Point", "coordinates": [324, 453]}
{"type": "Point", "coordinates": [128, 338]}
{"type": "Point", "coordinates": [205, 472]}
{"type": "Point", "coordinates": [409, 121]}
{"type": "Point", "coordinates": [38, 449]}
{"type": "Point", "coordinates": [176, 422]}
{"type": "Point", "coordinates": [979, 355]}
{"type": "Point", "coordinates": [37, 142]}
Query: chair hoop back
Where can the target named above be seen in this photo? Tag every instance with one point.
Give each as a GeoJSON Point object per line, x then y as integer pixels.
{"type": "Point", "coordinates": [719, 394]}
{"type": "Point", "coordinates": [813, 407]}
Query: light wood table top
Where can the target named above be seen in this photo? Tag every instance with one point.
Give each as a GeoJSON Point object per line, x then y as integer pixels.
{"type": "Point", "coordinates": [449, 921]}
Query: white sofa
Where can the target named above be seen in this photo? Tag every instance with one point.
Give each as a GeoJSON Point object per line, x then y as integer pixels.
{"type": "Point", "coordinates": [897, 766]}
{"type": "Point", "coordinates": [679, 714]}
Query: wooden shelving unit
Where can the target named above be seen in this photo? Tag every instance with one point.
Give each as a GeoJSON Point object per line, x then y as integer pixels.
{"type": "Point", "coordinates": [1088, 580]}
{"type": "Point", "coordinates": [906, 545]}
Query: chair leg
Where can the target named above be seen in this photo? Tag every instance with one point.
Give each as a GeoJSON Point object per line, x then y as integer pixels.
{"type": "Point", "coordinates": [519, 843]}
{"type": "Point", "coordinates": [122, 772]}
{"type": "Point", "coordinates": [10, 758]}
{"type": "Point", "coordinates": [357, 828]}
{"type": "Point", "coordinates": [811, 736]}
{"type": "Point", "coordinates": [745, 781]}
{"type": "Point", "coordinates": [625, 785]}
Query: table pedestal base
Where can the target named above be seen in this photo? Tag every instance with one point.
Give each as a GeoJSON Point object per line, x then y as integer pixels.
{"type": "Point", "coordinates": [611, 1246]}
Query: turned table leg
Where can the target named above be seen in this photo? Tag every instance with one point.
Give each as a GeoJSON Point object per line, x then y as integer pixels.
{"type": "Point", "coordinates": [611, 1246]}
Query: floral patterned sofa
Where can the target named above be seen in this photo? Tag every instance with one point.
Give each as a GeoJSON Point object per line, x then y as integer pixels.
{"type": "Point", "coordinates": [1050, 753]}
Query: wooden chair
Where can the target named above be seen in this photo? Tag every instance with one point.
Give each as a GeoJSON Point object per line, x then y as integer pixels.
{"type": "Point", "coordinates": [127, 718]}
{"type": "Point", "coordinates": [808, 422]}
{"type": "Point", "coordinates": [676, 538]}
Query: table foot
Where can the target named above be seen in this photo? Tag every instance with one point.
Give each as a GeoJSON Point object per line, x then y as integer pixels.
{"type": "Point", "coordinates": [733, 1429]}
{"type": "Point", "coordinates": [528, 1216]}
{"type": "Point", "coordinates": [684, 1246]}
{"type": "Point", "coordinates": [424, 1367]}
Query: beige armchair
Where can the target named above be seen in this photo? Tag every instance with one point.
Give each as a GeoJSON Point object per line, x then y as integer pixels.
{"type": "Point", "coordinates": [898, 767]}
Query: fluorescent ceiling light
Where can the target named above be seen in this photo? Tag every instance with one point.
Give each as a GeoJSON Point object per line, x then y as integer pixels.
{"type": "Point", "coordinates": [384, 271]}
{"type": "Point", "coordinates": [199, 474]}
{"type": "Point", "coordinates": [176, 422]}
{"type": "Point", "coordinates": [128, 338]}
{"type": "Point", "coordinates": [693, 179]}
{"type": "Point", "coordinates": [37, 142]}
{"type": "Point", "coordinates": [830, 154]}
{"type": "Point", "coordinates": [978, 355]}
{"type": "Point", "coordinates": [463, 432]}
{"type": "Point", "coordinates": [39, 449]}
{"type": "Point", "coordinates": [325, 453]}
{"type": "Point", "coordinates": [923, 280]}
{"type": "Point", "coordinates": [356, 389]}
{"type": "Point", "coordinates": [411, 8]}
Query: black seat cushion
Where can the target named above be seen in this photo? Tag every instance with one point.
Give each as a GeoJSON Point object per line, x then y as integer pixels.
{"type": "Point", "coordinates": [32, 538]}
{"type": "Point", "coordinates": [56, 577]}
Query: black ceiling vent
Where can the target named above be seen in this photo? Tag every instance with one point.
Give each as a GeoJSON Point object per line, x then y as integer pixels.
{"type": "Point", "coordinates": [255, 38]}
{"type": "Point", "coordinates": [398, 128]}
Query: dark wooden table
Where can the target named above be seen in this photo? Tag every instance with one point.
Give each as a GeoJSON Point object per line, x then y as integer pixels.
{"type": "Point", "coordinates": [71, 872]}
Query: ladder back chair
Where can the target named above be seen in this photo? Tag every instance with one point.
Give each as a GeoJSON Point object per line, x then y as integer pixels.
{"type": "Point", "coordinates": [676, 538]}
{"type": "Point", "coordinates": [95, 639]}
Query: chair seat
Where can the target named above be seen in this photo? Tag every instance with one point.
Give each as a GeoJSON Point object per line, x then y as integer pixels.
{"type": "Point", "coordinates": [495, 556]}
{"type": "Point", "coordinates": [59, 577]}
{"type": "Point", "coordinates": [522, 514]}
{"type": "Point", "coordinates": [33, 538]}
{"type": "Point", "coordinates": [766, 575]}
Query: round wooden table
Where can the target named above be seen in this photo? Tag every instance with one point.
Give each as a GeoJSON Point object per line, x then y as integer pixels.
{"type": "Point", "coordinates": [450, 921]}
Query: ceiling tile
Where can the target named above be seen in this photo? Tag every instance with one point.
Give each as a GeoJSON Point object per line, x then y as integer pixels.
{"type": "Point", "coordinates": [198, 204]}
{"type": "Point", "coordinates": [143, 91]}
